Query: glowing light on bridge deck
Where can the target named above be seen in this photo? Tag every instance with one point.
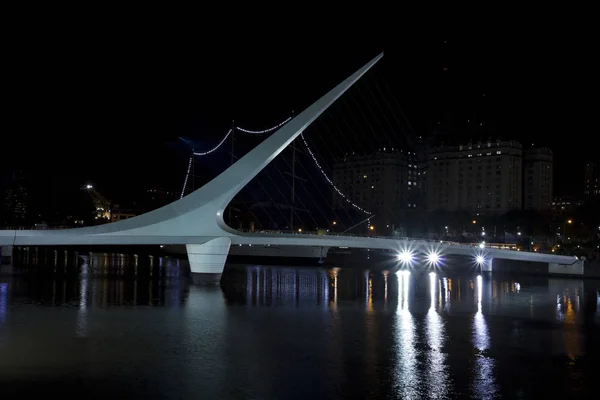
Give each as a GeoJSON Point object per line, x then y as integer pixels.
{"type": "Point", "coordinates": [406, 257]}
{"type": "Point", "coordinates": [479, 259]}
{"type": "Point", "coordinates": [434, 258]}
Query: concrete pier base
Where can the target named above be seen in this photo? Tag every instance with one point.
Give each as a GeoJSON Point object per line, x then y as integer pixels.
{"type": "Point", "coordinates": [6, 255]}
{"type": "Point", "coordinates": [487, 265]}
{"type": "Point", "coordinates": [575, 269]}
{"type": "Point", "coordinates": [207, 260]}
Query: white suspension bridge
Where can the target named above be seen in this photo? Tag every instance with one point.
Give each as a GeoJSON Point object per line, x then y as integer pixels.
{"type": "Point", "coordinates": [196, 220]}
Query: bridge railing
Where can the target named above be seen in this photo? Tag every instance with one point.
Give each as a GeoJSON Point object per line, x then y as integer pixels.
{"type": "Point", "coordinates": [498, 246]}
{"type": "Point", "coordinates": [303, 233]}
{"type": "Point", "coordinates": [314, 233]}
{"type": "Point", "coordinates": [35, 228]}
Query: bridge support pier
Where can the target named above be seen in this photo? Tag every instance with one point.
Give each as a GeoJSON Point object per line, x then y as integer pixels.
{"type": "Point", "coordinates": [7, 254]}
{"type": "Point", "coordinates": [486, 266]}
{"type": "Point", "coordinates": [560, 269]}
{"type": "Point", "coordinates": [207, 260]}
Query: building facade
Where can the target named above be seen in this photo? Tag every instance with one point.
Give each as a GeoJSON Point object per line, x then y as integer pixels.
{"type": "Point", "coordinates": [591, 182]}
{"type": "Point", "coordinates": [15, 206]}
{"type": "Point", "coordinates": [382, 183]}
{"type": "Point", "coordinates": [565, 205]}
{"type": "Point", "coordinates": [484, 177]}
{"type": "Point", "coordinates": [538, 180]}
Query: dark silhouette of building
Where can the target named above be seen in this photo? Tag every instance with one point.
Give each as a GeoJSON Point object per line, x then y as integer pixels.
{"type": "Point", "coordinates": [591, 183]}
{"type": "Point", "coordinates": [15, 207]}
{"type": "Point", "coordinates": [538, 181]}
{"type": "Point", "coordinates": [154, 198]}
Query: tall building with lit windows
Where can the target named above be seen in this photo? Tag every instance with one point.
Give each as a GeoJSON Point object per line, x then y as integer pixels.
{"type": "Point", "coordinates": [591, 182]}
{"type": "Point", "coordinates": [538, 179]}
{"type": "Point", "coordinates": [481, 177]}
{"type": "Point", "coordinates": [382, 183]}
{"type": "Point", "coordinates": [16, 200]}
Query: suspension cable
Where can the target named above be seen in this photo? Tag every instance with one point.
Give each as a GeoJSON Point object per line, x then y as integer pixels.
{"type": "Point", "coordinates": [300, 199]}
{"type": "Point", "coordinates": [310, 176]}
{"type": "Point", "coordinates": [328, 179]}
{"type": "Point", "coordinates": [345, 209]}
{"type": "Point", "coordinates": [217, 146]}
{"type": "Point", "coordinates": [187, 174]}
{"type": "Point", "coordinates": [265, 130]}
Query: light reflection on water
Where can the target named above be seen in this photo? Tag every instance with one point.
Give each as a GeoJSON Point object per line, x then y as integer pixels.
{"type": "Point", "coordinates": [301, 333]}
{"type": "Point", "coordinates": [483, 385]}
{"type": "Point", "coordinates": [436, 368]}
{"type": "Point", "coordinates": [406, 377]}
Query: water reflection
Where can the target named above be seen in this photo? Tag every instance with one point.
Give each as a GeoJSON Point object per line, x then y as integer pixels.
{"type": "Point", "coordinates": [3, 302]}
{"type": "Point", "coordinates": [437, 375]}
{"type": "Point", "coordinates": [447, 293]}
{"type": "Point", "coordinates": [283, 287]}
{"type": "Point", "coordinates": [484, 386]}
{"type": "Point", "coordinates": [406, 377]}
{"type": "Point", "coordinates": [298, 333]}
{"type": "Point", "coordinates": [333, 276]}
{"type": "Point", "coordinates": [369, 292]}
{"type": "Point", "coordinates": [86, 292]}
{"type": "Point", "coordinates": [83, 299]}
{"type": "Point", "coordinates": [569, 313]}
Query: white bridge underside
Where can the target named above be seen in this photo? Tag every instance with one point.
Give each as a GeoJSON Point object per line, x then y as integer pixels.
{"type": "Point", "coordinates": [197, 219]}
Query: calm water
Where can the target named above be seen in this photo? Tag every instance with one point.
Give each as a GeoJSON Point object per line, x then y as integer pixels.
{"type": "Point", "coordinates": [300, 333]}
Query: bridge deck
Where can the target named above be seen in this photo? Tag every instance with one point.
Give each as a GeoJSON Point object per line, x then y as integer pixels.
{"type": "Point", "coordinates": [71, 237]}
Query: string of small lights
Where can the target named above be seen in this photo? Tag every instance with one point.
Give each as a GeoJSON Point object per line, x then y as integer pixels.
{"type": "Point", "coordinates": [312, 155]}
{"type": "Point", "coordinates": [266, 130]}
{"type": "Point", "coordinates": [245, 131]}
{"type": "Point", "coordinates": [329, 180]}
{"type": "Point", "coordinates": [186, 177]}
{"type": "Point", "coordinates": [217, 146]}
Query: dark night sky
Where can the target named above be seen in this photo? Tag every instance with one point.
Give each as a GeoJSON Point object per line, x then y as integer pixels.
{"type": "Point", "coordinates": [103, 107]}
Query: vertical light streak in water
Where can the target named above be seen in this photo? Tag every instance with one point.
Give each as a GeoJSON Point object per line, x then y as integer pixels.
{"type": "Point", "coordinates": [446, 294]}
{"type": "Point", "coordinates": [437, 375]}
{"type": "Point", "coordinates": [367, 288]}
{"type": "Point", "coordinates": [560, 316]}
{"type": "Point", "coordinates": [385, 290]}
{"type": "Point", "coordinates": [369, 292]}
{"type": "Point", "coordinates": [571, 334]}
{"type": "Point", "coordinates": [335, 348]}
{"type": "Point", "coordinates": [325, 285]}
{"type": "Point", "coordinates": [3, 302]}
{"type": "Point", "coordinates": [248, 287]}
{"type": "Point", "coordinates": [371, 342]}
{"type": "Point", "coordinates": [334, 275]}
{"type": "Point", "coordinates": [258, 287]}
{"type": "Point", "coordinates": [406, 377]}
{"type": "Point", "coordinates": [483, 383]}
{"type": "Point", "coordinates": [83, 302]}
